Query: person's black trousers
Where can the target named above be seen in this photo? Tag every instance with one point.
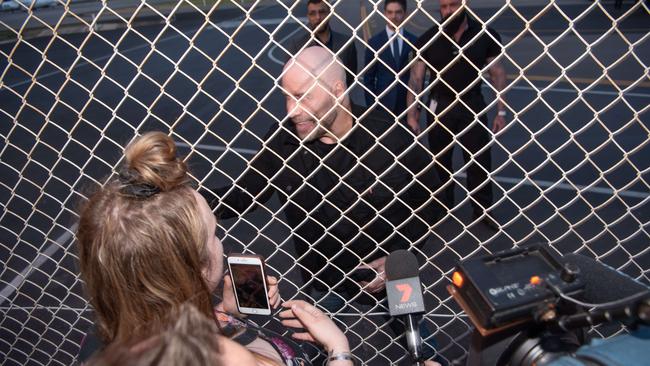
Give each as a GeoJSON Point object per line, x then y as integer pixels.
{"type": "Point", "coordinates": [472, 135]}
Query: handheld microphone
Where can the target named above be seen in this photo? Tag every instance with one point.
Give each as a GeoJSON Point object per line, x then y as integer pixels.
{"type": "Point", "coordinates": [404, 293]}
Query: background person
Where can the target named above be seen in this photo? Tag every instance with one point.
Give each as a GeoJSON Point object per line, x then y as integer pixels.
{"type": "Point", "coordinates": [321, 34]}
{"type": "Point", "coordinates": [459, 88]}
{"type": "Point", "coordinates": [383, 74]}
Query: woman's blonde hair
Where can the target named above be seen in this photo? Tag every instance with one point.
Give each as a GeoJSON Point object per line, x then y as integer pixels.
{"type": "Point", "coordinates": [142, 243]}
{"type": "Point", "coordinates": [190, 339]}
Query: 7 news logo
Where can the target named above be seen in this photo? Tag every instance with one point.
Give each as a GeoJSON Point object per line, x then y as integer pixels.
{"type": "Point", "coordinates": [406, 290]}
{"type": "Point", "coordinates": [404, 296]}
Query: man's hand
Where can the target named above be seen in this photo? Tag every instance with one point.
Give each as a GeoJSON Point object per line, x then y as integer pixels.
{"type": "Point", "coordinates": [498, 124]}
{"type": "Point", "coordinates": [229, 304]}
{"type": "Point", "coordinates": [416, 80]}
{"type": "Point", "coordinates": [498, 77]}
{"type": "Point", "coordinates": [414, 125]}
{"type": "Point", "coordinates": [379, 283]}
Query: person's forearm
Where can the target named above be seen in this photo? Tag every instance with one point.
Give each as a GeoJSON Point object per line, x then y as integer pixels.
{"type": "Point", "coordinates": [416, 80]}
{"type": "Point", "coordinates": [414, 89]}
{"type": "Point", "coordinates": [339, 348]}
{"type": "Point", "coordinates": [252, 188]}
{"type": "Point", "coordinates": [339, 355]}
{"type": "Point", "coordinates": [231, 202]}
{"type": "Point", "coordinates": [498, 78]}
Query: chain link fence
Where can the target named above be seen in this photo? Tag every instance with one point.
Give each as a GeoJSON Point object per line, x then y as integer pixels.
{"type": "Point", "coordinates": [81, 79]}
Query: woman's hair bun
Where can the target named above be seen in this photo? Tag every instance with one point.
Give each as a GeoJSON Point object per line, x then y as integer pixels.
{"type": "Point", "coordinates": [151, 160]}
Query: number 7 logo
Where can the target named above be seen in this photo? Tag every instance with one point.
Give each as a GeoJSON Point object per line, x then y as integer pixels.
{"type": "Point", "coordinates": [406, 291]}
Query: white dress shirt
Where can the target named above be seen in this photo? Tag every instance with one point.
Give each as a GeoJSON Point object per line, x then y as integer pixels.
{"type": "Point", "coordinates": [400, 41]}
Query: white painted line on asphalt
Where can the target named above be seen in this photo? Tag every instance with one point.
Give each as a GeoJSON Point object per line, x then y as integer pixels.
{"type": "Point", "coordinates": [573, 91]}
{"type": "Point", "coordinates": [507, 180]}
{"type": "Point", "coordinates": [225, 24]}
{"type": "Point", "coordinates": [274, 21]}
{"type": "Point", "coordinates": [20, 278]}
{"type": "Point", "coordinates": [249, 22]}
{"type": "Point", "coordinates": [62, 240]}
{"type": "Point", "coordinates": [270, 53]}
{"type": "Point", "coordinates": [217, 148]}
{"type": "Point", "coordinates": [564, 186]}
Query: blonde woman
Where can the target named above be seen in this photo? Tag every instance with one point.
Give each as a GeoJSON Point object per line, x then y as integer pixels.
{"type": "Point", "coordinates": [147, 246]}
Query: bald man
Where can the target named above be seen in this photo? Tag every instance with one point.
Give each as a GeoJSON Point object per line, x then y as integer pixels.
{"type": "Point", "coordinates": [325, 114]}
{"type": "Point", "coordinates": [343, 181]}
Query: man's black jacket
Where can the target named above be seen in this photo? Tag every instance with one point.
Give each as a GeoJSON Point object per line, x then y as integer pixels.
{"type": "Point", "coordinates": [355, 200]}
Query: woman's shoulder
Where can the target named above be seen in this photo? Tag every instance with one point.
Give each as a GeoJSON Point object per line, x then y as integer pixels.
{"type": "Point", "coordinates": [246, 332]}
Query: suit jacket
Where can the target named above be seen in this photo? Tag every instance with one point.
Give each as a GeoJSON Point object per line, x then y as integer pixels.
{"type": "Point", "coordinates": [337, 42]}
{"type": "Point", "coordinates": [379, 77]}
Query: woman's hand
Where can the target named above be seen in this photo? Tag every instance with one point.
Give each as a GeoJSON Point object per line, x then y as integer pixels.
{"type": "Point", "coordinates": [229, 303]}
{"type": "Point", "coordinates": [274, 291]}
{"type": "Point", "coordinates": [319, 327]}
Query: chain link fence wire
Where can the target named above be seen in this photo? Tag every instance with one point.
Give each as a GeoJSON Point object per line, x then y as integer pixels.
{"type": "Point", "coordinates": [81, 79]}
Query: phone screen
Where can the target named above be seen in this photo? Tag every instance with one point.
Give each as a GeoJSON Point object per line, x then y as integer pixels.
{"type": "Point", "coordinates": [249, 285]}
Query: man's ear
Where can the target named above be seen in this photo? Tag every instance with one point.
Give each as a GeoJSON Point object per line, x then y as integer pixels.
{"type": "Point", "coordinates": [339, 88]}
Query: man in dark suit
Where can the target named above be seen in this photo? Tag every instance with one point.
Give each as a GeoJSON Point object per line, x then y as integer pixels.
{"type": "Point", "coordinates": [387, 56]}
{"type": "Point", "coordinates": [320, 34]}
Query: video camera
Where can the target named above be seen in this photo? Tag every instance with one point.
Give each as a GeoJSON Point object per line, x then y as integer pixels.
{"type": "Point", "coordinates": [529, 307]}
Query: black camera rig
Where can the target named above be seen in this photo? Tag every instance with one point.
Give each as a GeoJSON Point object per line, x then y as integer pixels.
{"type": "Point", "coordinates": [528, 306]}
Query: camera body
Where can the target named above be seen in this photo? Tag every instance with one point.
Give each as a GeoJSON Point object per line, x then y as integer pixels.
{"type": "Point", "coordinates": [510, 287]}
{"type": "Point", "coordinates": [524, 305]}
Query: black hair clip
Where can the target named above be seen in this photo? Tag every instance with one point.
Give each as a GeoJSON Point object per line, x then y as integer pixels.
{"type": "Point", "coordinates": [131, 188]}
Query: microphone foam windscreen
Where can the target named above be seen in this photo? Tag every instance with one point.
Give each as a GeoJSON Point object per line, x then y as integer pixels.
{"type": "Point", "coordinates": [401, 264]}
{"type": "Point", "coordinates": [603, 283]}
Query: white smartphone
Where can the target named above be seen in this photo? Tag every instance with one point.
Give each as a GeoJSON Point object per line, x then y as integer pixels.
{"type": "Point", "coordinates": [249, 282]}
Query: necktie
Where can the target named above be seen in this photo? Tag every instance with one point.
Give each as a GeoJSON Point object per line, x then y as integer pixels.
{"type": "Point", "coordinates": [396, 51]}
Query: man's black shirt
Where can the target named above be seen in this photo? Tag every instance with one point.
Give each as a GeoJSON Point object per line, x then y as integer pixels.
{"type": "Point", "coordinates": [358, 199]}
{"type": "Point", "coordinates": [464, 70]}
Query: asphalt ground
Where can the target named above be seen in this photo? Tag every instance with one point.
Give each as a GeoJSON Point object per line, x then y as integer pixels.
{"type": "Point", "coordinates": [571, 169]}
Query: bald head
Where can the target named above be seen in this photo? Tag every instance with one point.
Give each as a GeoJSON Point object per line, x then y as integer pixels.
{"type": "Point", "coordinates": [317, 63]}
{"type": "Point", "coordinates": [314, 84]}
